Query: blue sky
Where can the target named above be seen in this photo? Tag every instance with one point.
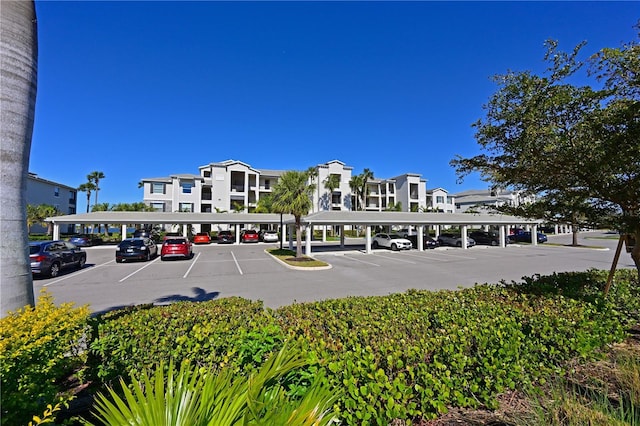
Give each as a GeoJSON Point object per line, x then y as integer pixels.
{"type": "Point", "coordinates": [147, 89]}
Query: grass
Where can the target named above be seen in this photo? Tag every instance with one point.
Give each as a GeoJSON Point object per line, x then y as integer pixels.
{"type": "Point", "coordinates": [289, 257]}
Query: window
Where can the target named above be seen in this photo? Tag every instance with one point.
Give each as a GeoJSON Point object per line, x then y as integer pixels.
{"type": "Point", "coordinates": [159, 207]}
{"type": "Point", "coordinates": [186, 207]}
{"type": "Point", "coordinates": [56, 191]}
{"type": "Point", "coordinates": [186, 187]}
{"type": "Point", "coordinates": [439, 199]}
{"type": "Point", "coordinates": [267, 184]}
{"type": "Point", "coordinates": [157, 188]}
{"type": "Point", "coordinates": [207, 173]}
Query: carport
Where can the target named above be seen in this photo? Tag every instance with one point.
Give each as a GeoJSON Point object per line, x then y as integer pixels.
{"type": "Point", "coordinates": [324, 218]}
{"type": "Point", "coordinates": [185, 219]}
{"type": "Point", "coordinates": [419, 220]}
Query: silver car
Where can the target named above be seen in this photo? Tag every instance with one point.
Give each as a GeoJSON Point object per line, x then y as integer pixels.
{"type": "Point", "coordinates": [452, 240]}
{"type": "Point", "coordinates": [391, 241]}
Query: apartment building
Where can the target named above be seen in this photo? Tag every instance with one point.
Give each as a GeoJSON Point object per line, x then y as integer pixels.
{"type": "Point", "coordinates": [42, 191]}
{"type": "Point", "coordinates": [234, 186]}
{"type": "Point", "coordinates": [483, 200]}
{"type": "Point", "coordinates": [439, 200]}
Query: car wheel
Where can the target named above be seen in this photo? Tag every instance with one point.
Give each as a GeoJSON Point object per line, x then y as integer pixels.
{"type": "Point", "coordinates": [494, 243]}
{"type": "Point", "coordinates": [162, 258]}
{"type": "Point", "coordinates": [459, 244]}
{"type": "Point", "coordinates": [394, 247]}
{"type": "Point", "coordinates": [81, 262]}
{"type": "Point", "coordinates": [119, 260]}
{"type": "Point", "coordinates": [148, 256]}
{"type": "Point", "coordinates": [375, 244]}
{"type": "Point", "coordinates": [55, 270]}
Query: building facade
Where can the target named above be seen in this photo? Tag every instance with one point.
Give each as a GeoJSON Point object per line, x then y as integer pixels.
{"type": "Point", "coordinates": [439, 200]}
{"type": "Point", "coordinates": [234, 186]}
{"type": "Point", "coordinates": [42, 191]}
{"type": "Point", "coordinates": [485, 200]}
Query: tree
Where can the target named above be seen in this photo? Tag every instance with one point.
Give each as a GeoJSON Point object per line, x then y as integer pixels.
{"type": "Point", "coordinates": [18, 86]}
{"type": "Point", "coordinates": [364, 190]}
{"type": "Point", "coordinates": [87, 187]}
{"type": "Point", "coordinates": [545, 135]}
{"type": "Point", "coordinates": [331, 183]}
{"type": "Point", "coordinates": [355, 184]}
{"type": "Point", "coordinates": [94, 178]}
{"type": "Point", "coordinates": [292, 195]}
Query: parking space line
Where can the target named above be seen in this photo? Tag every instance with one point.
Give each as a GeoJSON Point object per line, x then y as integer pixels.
{"type": "Point", "coordinates": [191, 266]}
{"type": "Point", "coordinates": [237, 264]}
{"type": "Point", "coordinates": [361, 261]}
{"type": "Point", "coordinates": [392, 258]}
{"type": "Point", "coordinates": [456, 255]}
{"type": "Point", "coordinates": [140, 269]}
{"type": "Point", "coordinates": [78, 273]}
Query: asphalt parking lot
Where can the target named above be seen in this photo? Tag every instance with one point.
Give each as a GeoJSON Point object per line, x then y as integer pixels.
{"type": "Point", "coordinates": [247, 271]}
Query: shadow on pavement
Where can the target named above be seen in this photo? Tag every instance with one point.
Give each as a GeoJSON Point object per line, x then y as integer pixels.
{"type": "Point", "coordinates": [200, 295]}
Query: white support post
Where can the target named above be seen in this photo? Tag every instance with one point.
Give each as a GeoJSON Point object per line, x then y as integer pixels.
{"type": "Point", "coordinates": [283, 234]}
{"type": "Point", "coordinates": [324, 234]}
{"type": "Point", "coordinates": [56, 231]}
{"type": "Point", "coordinates": [184, 230]}
{"type": "Point", "coordinates": [341, 236]}
{"type": "Point", "coordinates": [420, 238]}
{"type": "Point", "coordinates": [534, 235]}
{"type": "Point", "coordinates": [307, 249]}
{"type": "Point", "coordinates": [463, 233]}
{"type": "Point", "coordinates": [437, 231]}
{"type": "Point", "coordinates": [502, 234]}
{"type": "Point", "coordinates": [123, 231]}
{"type": "Point", "coordinates": [368, 240]}
{"type": "Point", "coordinates": [237, 227]}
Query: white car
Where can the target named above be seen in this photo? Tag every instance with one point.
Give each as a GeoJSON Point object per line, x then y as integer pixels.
{"type": "Point", "coordinates": [391, 241]}
{"type": "Point", "coordinates": [269, 236]}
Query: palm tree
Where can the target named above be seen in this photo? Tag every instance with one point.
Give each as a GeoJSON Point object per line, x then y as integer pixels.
{"type": "Point", "coordinates": [312, 173]}
{"type": "Point", "coordinates": [364, 191]}
{"type": "Point", "coordinates": [292, 194]}
{"type": "Point", "coordinates": [355, 184]}
{"type": "Point", "coordinates": [94, 178]}
{"type": "Point", "coordinates": [88, 188]}
{"type": "Point", "coordinates": [18, 85]}
{"type": "Point", "coordinates": [331, 183]}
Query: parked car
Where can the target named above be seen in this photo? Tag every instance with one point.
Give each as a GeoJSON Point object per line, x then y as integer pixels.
{"type": "Point", "coordinates": [141, 248]}
{"type": "Point", "coordinates": [145, 233]}
{"type": "Point", "coordinates": [525, 237]}
{"type": "Point", "coordinates": [406, 232]}
{"type": "Point", "coordinates": [173, 247]}
{"type": "Point", "coordinates": [487, 238]}
{"type": "Point", "coordinates": [85, 240]}
{"type": "Point", "coordinates": [171, 235]}
{"type": "Point", "coordinates": [202, 238]}
{"type": "Point", "coordinates": [249, 236]}
{"type": "Point", "coordinates": [50, 257]}
{"type": "Point", "coordinates": [226, 237]}
{"type": "Point", "coordinates": [391, 241]}
{"type": "Point", "coordinates": [269, 236]}
{"type": "Point", "coordinates": [427, 241]}
{"type": "Point", "coordinates": [448, 239]}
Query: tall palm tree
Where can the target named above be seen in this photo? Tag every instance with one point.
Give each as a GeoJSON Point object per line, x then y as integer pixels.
{"type": "Point", "coordinates": [356, 184]}
{"type": "Point", "coordinates": [18, 87]}
{"type": "Point", "coordinates": [94, 178]}
{"type": "Point", "coordinates": [87, 187]}
{"type": "Point", "coordinates": [364, 191]}
{"type": "Point", "coordinates": [293, 194]}
{"type": "Point", "coordinates": [331, 183]}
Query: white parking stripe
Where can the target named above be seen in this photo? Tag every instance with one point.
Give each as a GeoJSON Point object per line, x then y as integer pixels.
{"type": "Point", "coordinates": [140, 269]}
{"type": "Point", "coordinates": [191, 266]}
{"type": "Point", "coordinates": [78, 273]}
{"type": "Point", "coordinates": [394, 258]}
{"type": "Point", "coordinates": [361, 261]}
{"type": "Point", "coordinates": [237, 264]}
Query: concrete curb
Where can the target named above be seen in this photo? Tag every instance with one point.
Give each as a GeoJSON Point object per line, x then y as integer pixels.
{"type": "Point", "coordinates": [299, 268]}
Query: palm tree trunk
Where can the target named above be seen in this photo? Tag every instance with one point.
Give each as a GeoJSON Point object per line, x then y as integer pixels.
{"type": "Point", "coordinates": [18, 84]}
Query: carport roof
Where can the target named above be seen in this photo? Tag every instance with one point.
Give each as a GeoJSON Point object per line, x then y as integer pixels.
{"type": "Point", "coordinates": [319, 218]}
{"type": "Point", "coordinates": [167, 217]}
{"type": "Point", "coordinates": [411, 218]}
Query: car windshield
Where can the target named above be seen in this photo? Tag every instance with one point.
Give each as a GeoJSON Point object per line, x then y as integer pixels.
{"type": "Point", "coordinates": [202, 234]}
{"type": "Point", "coordinates": [395, 236]}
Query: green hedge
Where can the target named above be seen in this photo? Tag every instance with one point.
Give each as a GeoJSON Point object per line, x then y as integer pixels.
{"type": "Point", "coordinates": [39, 347]}
{"type": "Point", "coordinates": [404, 356]}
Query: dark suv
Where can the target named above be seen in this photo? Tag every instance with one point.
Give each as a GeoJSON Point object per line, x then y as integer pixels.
{"type": "Point", "coordinates": [50, 257]}
{"type": "Point", "coordinates": [488, 238]}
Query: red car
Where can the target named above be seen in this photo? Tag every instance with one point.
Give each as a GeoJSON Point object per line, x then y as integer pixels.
{"type": "Point", "coordinates": [249, 236]}
{"type": "Point", "coordinates": [176, 247]}
{"type": "Point", "coordinates": [202, 238]}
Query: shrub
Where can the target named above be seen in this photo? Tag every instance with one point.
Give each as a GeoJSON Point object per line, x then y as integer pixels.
{"type": "Point", "coordinates": [38, 347]}
{"type": "Point", "coordinates": [227, 332]}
